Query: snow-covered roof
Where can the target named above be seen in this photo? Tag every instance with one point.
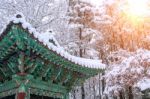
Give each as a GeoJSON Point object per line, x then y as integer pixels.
{"type": "Point", "coordinates": [45, 39]}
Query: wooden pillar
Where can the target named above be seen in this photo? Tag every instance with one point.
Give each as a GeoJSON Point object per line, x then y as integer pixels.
{"type": "Point", "coordinates": [21, 95]}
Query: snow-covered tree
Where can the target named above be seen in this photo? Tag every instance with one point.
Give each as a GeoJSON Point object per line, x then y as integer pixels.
{"type": "Point", "coordinates": [127, 71]}
{"type": "Point", "coordinates": [82, 16]}
{"type": "Point", "coordinates": [43, 15]}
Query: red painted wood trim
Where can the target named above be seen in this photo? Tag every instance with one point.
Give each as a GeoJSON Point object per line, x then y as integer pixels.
{"type": "Point", "coordinates": [21, 95]}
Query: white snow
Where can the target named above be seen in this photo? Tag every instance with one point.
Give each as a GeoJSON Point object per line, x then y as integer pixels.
{"type": "Point", "coordinates": [129, 69]}
{"type": "Point", "coordinates": [111, 89]}
{"type": "Point", "coordinates": [144, 83]}
{"type": "Point", "coordinates": [45, 37]}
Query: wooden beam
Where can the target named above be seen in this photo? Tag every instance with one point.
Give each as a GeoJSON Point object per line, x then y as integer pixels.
{"type": "Point", "coordinates": [7, 93]}
{"type": "Point", "coordinates": [47, 71]}
{"type": "Point", "coordinates": [46, 93]}
{"type": "Point", "coordinates": [2, 72]}
{"type": "Point", "coordinates": [9, 64]}
{"type": "Point", "coordinates": [59, 73]}
{"type": "Point", "coordinates": [68, 77]}
{"type": "Point", "coordinates": [41, 85]}
{"type": "Point", "coordinates": [8, 85]}
{"type": "Point", "coordinates": [6, 46]}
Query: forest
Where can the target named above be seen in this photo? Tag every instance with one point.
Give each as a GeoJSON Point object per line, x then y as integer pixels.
{"type": "Point", "coordinates": [115, 32]}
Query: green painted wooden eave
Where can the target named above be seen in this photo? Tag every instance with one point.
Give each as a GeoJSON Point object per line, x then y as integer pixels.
{"type": "Point", "coordinates": [37, 87]}
{"type": "Point", "coordinates": [47, 74]}
{"type": "Point", "coordinates": [51, 73]}
{"type": "Point", "coordinates": [22, 37]}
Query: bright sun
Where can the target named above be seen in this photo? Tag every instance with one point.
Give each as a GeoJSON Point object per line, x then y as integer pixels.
{"type": "Point", "coordinates": [138, 8]}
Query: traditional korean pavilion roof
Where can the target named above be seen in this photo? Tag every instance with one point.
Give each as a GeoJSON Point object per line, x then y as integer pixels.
{"type": "Point", "coordinates": [35, 61]}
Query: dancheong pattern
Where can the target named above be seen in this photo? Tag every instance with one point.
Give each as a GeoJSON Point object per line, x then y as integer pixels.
{"type": "Point", "coordinates": [29, 66]}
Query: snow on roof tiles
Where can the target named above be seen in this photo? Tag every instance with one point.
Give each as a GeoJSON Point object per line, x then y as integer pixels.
{"type": "Point", "coordinates": [45, 37]}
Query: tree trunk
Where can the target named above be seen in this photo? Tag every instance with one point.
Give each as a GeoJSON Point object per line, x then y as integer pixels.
{"type": "Point", "coordinates": [121, 96]}
{"type": "Point", "coordinates": [81, 55]}
{"type": "Point", "coordinates": [100, 87]}
{"type": "Point", "coordinates": [80, 37]}
{"type": "Point", "coordinates": [103, 83]}
{"type": "Point", "coordinates": [82, 92]}
{"type": "Point", "coordinates": [94, 91]}
{"type": "Point", "coordinates": [130, 93]}
{"type": "Point", "coordinates": [74, 94]}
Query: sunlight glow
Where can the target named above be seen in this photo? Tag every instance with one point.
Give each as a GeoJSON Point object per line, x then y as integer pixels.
{"type": "Point", "coordinates": [138, 8]}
